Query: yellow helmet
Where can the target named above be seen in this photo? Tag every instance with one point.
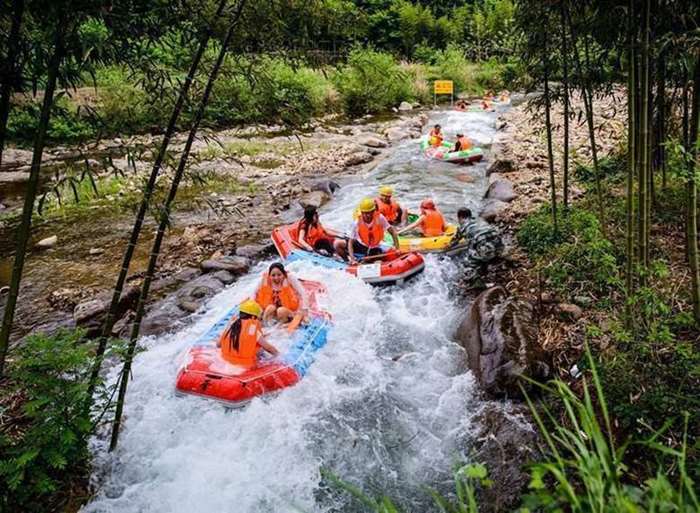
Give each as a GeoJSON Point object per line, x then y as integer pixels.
{"type": "Point", "coordinates": [385, 190]}
{"type": "Point", "coordinates": [367, 205]}
{"type": "Point", "coordinates": [250, 307]}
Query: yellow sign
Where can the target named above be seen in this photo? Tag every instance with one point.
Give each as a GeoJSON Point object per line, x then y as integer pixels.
{"type": "Point", "coordinates": [443, 87]}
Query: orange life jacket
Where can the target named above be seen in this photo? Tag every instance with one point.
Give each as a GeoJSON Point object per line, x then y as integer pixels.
{"type": "Point", "coordinates": [464, 143]}
{"type": "Point", "coordinates": [389, 210]}
{"type": "Point", "coordinates": [247, 353]}
{"type": "Point", "coordinates": [285, 296]}
{"type": "Point", "coordinates": [313, 233]}
{"type": "Point", "coordinates": [433, 224]}
{"type": "Point", "coordinates": [372, 234]}
{"type": "Point", "coordinates": [435, 138]}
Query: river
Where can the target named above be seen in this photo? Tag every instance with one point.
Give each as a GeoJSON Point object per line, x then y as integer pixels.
{"type": "Point", "coordinates": [388, 405]}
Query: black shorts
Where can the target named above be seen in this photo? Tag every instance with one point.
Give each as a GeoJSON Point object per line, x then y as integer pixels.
{"type": "Point", "coordinates": [358, 247]}
{"type": "Point", "coordinates": [324, 245]}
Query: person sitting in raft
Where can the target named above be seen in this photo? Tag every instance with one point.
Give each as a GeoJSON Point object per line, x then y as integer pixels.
{"type": "Point", "coordinates": [315, 237]}
{"type": "Point", "coordinates": [240, 341]}
{"type": "Point", "coordinates": [431, 222]}
{"type": "Point", "coordinates": [461, 105]}
{"type": "Point", "coordinates": [368, 232]}
{"type": "Point", "coordinates": [279, 294]}
{"type": "Point", "coordinates": [389, 208]}
{"type": "Point", "coordinates": [462, 144]}
{"type": "Point", "coordinates": [435, 136]}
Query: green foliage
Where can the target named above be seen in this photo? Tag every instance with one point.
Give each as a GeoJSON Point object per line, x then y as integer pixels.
{"type": "Point", "coordinates": [65, 124]}
{"type": "Point", "coordinates": [50, 451]}
{"type": "Point", "coordinates": [371, 81]}
{"type": "Point", "coordinates": [576, 255]}
{"type": "Point", "coordinates": [612, 168]}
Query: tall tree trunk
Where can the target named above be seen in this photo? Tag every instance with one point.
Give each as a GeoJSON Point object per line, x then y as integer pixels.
{"type": "Point", "coordinates": [660, 157]}
{"type": "Point", "coordinates": [694, 166]}
{"type": "Point", "coordinates": [644, 144]}
{"type": "Point", "coordinates": [686, 146]}
{"type": "Point", "coordinates": [631, 154]}
{"type": "Point", "coordinates": [24, 230]}
{"type": "Point", "coordinates": [548, 125]}
{"type": "Point", "coordinates": [148, 193]}
{"type": "Point", "coordinates": [587, 94]}
{"type": "Point", "coordinates": [163, 225]}
{"type": "Point", "coordinates": [565, 85]}
{"type": "Point", "coordinates": [9, 72]}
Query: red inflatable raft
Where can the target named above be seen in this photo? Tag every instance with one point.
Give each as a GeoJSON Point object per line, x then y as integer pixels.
{"type": "Point", "coordinates": [205, 373]}
{"type": "Point", "coordinates": [393, 268]}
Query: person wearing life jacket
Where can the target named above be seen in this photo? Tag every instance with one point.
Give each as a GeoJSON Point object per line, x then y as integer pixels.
{"type": "Point", "coordinates": [462, 144]}
{"type": "Point", "coordinates": [461, 105]}
{"type": "Point", "coordinates": [368, 232]}
{"type": "Point", "coordinates": [313, 236]}
{"type": "Point", "coordinates": [435, 136]}
{"type": "Point", "coordinates": [431, 222]}
{"type": "Point", "coordinates": [389, 207]}
{"type": "Point", "coordinates": [279, 294]}
{"type": "Point", "coordinates": [241, 340]}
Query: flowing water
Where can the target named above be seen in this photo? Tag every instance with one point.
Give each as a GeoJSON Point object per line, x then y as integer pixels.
{"type": "Point", "coordinates": [387, 406]}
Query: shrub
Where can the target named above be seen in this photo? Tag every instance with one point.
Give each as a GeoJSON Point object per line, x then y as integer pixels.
{"type": "Point", "coordinates": [65, 124]}
{"type": "Point", "coordinates": [371, 81]}
{"type": "Point", "coordinates": [451, 64]}
{"type": "Point", "coordinates": [577, 253]}
{"type": "Point", "coordinates": [50, 451]}
{"type": "Point", "coordinates": [612, 168]}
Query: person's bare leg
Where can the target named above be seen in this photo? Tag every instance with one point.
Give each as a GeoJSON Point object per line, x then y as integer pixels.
{"type": "Point", "coordinates": [269, 313]}
{"type": "Point", "coordinates": [340, 247]}
{"type": "Point", "coordinates": [284, 314]}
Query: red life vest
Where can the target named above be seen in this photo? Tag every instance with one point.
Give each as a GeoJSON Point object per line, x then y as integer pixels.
{"type": "Point", "coordinates": [433, 223]}
{"type": "Point", "coordinates": [247, 353]}
{"type": "Point", "coordinates": [285, 296]}
{"type": "Point", "coordinates": [312, 233]}
{"type": "Point", "coordinates": [372, 234]}
{"type": "Point", "coordinates": [389, 210]}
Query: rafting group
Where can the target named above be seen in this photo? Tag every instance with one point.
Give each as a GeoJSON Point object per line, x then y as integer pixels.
{"type": "Point", "coordinates": [383, 247]}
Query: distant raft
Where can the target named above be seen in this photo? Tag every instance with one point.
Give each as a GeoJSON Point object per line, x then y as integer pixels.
{"type": "Point", "coordinates": [424, 244]}
{"type": "Point", "coordinates": [394, 268]}
{"type": "Point", "coordinates": [206, 374]}
{"type": "Point", "coordinates": [442, 152]}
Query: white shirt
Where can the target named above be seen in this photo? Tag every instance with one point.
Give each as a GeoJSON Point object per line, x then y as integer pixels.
{"type": "Point", "coordinates": [354, 229]}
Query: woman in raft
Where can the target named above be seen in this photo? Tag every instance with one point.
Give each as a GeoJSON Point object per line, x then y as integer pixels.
{"type": "Point", "coordinates": [431, 222]}
{"type": "Point", "coordinates": [241, 340]}
{"type": "Point", "coordinates": [313, 236]}
{"type": "Point", "coordinates": [279, 294]}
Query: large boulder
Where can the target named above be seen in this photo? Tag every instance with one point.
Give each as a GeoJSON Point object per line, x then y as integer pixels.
{"type": "Point", "coordinates": [236, 265]}
{"type": "Point", "coordinates": [501, 166]}
{"type": "Point", "coordinates": [325, 185]}
{"type": "Point", "coordinates": [91, 313]}
{"type": "Point", "coordinates": [397, 133]}
{"type": "Point", "coordinates": [405, 106]}
{"type": "Point", "coordinates": [502, 190]}
{"type": "Point", "coordinates": [357, 157]}
{"type": "Point", "coordinates": [499, 337]}
{"type": "Point", "coordinates": [492, 209]}
{"type": "Point", "coordinates": [314, 198]}
{"type": "Point", "coordinates": [371, 141]}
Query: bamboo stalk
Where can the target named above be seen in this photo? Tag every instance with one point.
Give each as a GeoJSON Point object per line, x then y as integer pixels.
{"type": "Point", "coordinates": [644, 143]}
{"type": "Point", "coordinates": [548, 125]}
{"type": "Point", "coordinates": [565, 84]}
{"type": "Point", "coordinates": [163, 225]}
{"type": "Point", "coordinates": [24, 230]}
{"type": "Point", "coordinates": [9, 75]}
{"type": "Point", "coordinates": [631, 163]}
{"type": "Point", "coordinates": [694, 168]}
{"type": "Point", "coordinates": [145, 201]}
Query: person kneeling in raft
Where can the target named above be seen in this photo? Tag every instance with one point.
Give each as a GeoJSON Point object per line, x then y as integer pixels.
{"type": "Point", "coordinates": [315, 237]}
{"type": "Point", "coordinates": [279, 294]}
{"type": "Point", "coordinates": [431, 222]}
{"type": "Point", "coordinates": [240, 341]}
{"type": "Point", "coordinates": [435, 137]}
{"type": "Point", "coordinates": [368, 232]}
{"type": "Point", "coordinates": [389, 207]}
{"type": "Point", "coordinates": [462, 144]}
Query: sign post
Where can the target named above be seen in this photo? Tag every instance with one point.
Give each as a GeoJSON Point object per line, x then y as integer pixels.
{"type": "Point", "coordinates": [443, 87]}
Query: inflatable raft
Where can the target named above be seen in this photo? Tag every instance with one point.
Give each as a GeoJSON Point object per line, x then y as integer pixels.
{"type": "Point", "coordinates": [474, 154]}
{"type": "Point", "coordinates": [206, 374]}
{"type": "Point", "coordinates": [424, 244]}
{"type": "Point", "coordinates": [393, 268]}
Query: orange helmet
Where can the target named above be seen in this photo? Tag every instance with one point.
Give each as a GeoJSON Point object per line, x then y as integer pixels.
{"type": "Point", "coordinates": [427, 204]}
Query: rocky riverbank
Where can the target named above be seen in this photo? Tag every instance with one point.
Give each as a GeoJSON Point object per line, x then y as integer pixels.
{"type": "Point", "coordinates": [243, 183]}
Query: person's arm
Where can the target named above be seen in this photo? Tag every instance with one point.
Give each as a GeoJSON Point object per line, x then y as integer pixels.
{"type": "Point", "coordinates": [411, 226]}
{"type": "Point", "coordinates": [299, 290]}
{"type": "Point", "coordinates": [267, 346]}
{"type": "Point", "coordinates": [458, 146]}
{"type": "Point", "coordinates": [395, 236]}
{"type": "Point", "coordinates": [302, 242]}
{"type": "Point", "coordinates": [459, 235]}
{"type": "Point", "coordinates": [351, 252]}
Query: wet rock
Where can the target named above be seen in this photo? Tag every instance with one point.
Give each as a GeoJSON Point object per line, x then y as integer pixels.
{"type": "Point", "coordinates": [63, 299]}
{"type": "Point", "coordinates": [501, 166]}
{"type": "Point", "coordinates": [255, 251]}
{"type": "Point", "coordinates": [186, 274]}
{"type": "Point", "coordinates": [90, 314]}
{"type": "Point", "coordinates": [13, 158]}
{"type": "Point", "coordinates": [236, 265]}
{"type": "Point", "coordinates": [502, 190]}
{"type": "Point", "coordinates": [372, 141]}
{"type": "Point", "coordinates": [161, 318]}
{"type": "Point", "coordinates": [224, 277]}
{"type": "Point", "coordinates": [505, 444]}
{"type": "Point", "coordinates": [189, 306]}
{"type": "Point", "coordinates": [314, 198]}
{"type": "Point", "coordinates": [569, 311]}
{"type": "Point", "coordinates": [327, 186]}
{"type": "Point", "coordinates": [396, 134]}
{"type": "Point", "coordinates": [492, 210]}
{"type": "Point", "coordinates": [405, 106]}
{"type": "Point", "coordinates": [358, 157]}
{"type": "Point", "coordinates": [47, 243]}
{"type": "Point", "coordinates": [498, 335]}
